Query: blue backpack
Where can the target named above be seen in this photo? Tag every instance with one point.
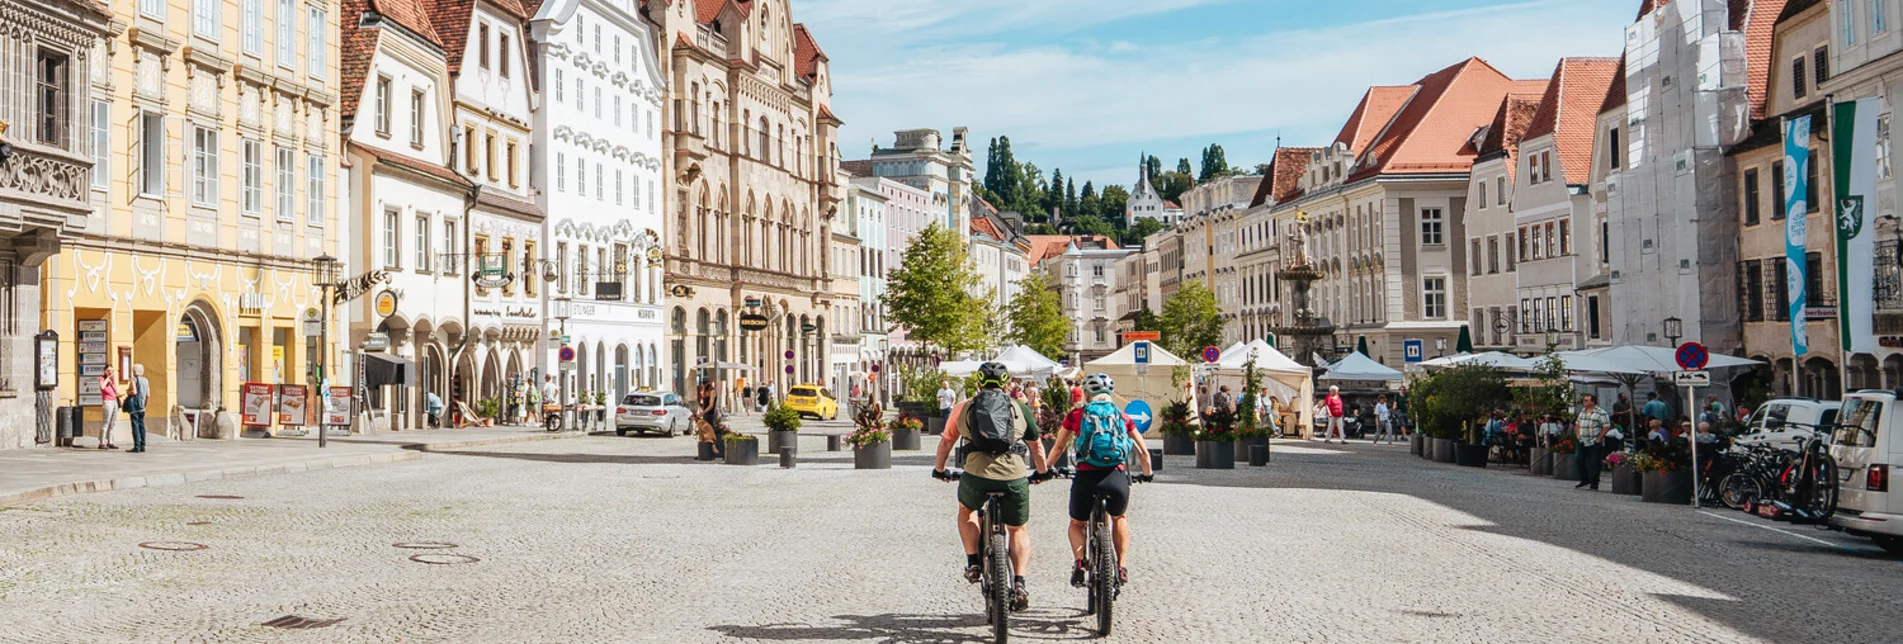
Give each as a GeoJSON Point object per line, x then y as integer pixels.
{"type": "Point", "coordinates": [1103, 440]}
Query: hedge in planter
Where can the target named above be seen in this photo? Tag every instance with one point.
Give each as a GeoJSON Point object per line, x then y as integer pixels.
{"type": "Point", "coordinates": [1179, 437]}
{"type": "Point", "coordinates": [783, 426]}
{"type": "Point", "coordinates": [1216, 443]}
{"type": "Point", "coordinates": [742, 449]}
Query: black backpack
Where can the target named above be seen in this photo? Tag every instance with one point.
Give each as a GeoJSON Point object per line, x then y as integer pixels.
{"type": "Point", "coordinates": [991, 423]}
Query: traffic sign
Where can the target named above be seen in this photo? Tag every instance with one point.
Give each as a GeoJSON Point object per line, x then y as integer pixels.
{"type": "Point", "coordinates": [1411, 350]}
{"type": "Point", "coordinates": [789, 370]}
{"type": "Point", "coordinates": [1692, 378]}
{"type": "Point", "coordinates": [567, 354]}
{"type": "Point", "coordinates": [789, 354]}
{"type": "Point", "coordinates": [1139, 413]}
{"type": "Point", "coordinates": [1692, 356]}
{"type": "Point", "coordinates": [1142, 352]}
{"type": "Point", "coordinates": [1211, 354]}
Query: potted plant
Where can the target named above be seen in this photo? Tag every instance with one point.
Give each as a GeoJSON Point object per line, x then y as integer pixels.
{"type": "Point", "coordinates": [905, 431]}
{"type": "Point", "coordinates": [1216, 443]}
{"type": "Point", "coordinates": [742, 449]}
{"type": "Point", "coordinates": [1666, 474]}
{"type": "Point", "coordinates": [1179, 436]}
{"type": "Point", "coordinates": [783, 426]}
{"type": "Point", "coordinates": [871, 443]}
{"type": "Point", "coordinates": [1625, 473]}
{"type": "Point", "coordinates": [1472, 450]}
{"type": "Point", "coordinates": [1444, 402]}
{"type": "Point", "coordinates": [1540, 458]}
{"type": "Point", "coordinates": [1563, 447]}
{"type": "Point", "coordinates": [1249, 436]}
{"type": "Point", "coordinates": [1250, 431]}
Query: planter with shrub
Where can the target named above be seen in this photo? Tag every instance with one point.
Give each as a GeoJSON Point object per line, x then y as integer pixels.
{"type": "Point", "coordinates": [905, 433]}
{"type": "Point", "coordinates": [871, 442]}
{"type": "Point", "coordinates": [1563, 447]}
{"type": "Point", "coordinates": [1625, 473]}
{"type": "Point", "coordinates": [1179, 436]}
{"type": "Point", "coordinates": [1216, 443]}
{"type": "Point", "coordinates": [742, 449]}
{"type": "Point", "coordinates": [783, 426]}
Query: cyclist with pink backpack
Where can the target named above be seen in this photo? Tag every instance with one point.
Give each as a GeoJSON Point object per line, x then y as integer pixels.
{"type": "Point", "coordinates": [1106, 441]}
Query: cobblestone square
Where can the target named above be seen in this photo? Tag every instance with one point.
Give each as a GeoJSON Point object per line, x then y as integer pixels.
{"type": "Point", "coordinates": [604, 539]}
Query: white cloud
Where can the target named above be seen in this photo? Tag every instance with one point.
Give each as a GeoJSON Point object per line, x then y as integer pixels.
{"type": "Point", "coordinates": [1058, 100]}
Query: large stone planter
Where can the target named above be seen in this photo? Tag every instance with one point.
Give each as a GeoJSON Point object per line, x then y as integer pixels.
{"type": "Point", "coordinates": [1443, 450]}
{"type": "Point", "coordinates": [1178, 445]}
{"type": "Point", "coordinates": [1540, 462]}
{"type": "Point", "coordinates": [906, 439]}
{"type": "Point", "coordinates": [935, 426]}
{"type": "Point", "coordinates": [1470, 455]}
{"type": "Point", "coordinates": [877, 456]}
{"type": "Point", "coordinates": [1626, 480]}
{"type": "Point", "coordinates": [1415, 444]}
{"type": "Point", "coordinates": [781, 438]}
{"type": "Point", "coordinates": [743, 452]}
{"type": "Point", "coordinates": [1563, 467]}
{"type": "Point", "coordinates": [1667, 487]}
{"type": "Point", "coordinates": [1219, 455]}
{"type": "Point", "coordinates": [1243, 445]}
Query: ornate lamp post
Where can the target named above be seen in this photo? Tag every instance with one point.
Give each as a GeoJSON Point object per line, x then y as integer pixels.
{"type": "Point", "coordinates": [1674, 329]}
{"type": "Point", "coordinates": [324, 271]}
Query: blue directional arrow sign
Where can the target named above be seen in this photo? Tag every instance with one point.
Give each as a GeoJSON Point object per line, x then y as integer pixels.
{"type": "Point", "coordinates": [1139, 412]}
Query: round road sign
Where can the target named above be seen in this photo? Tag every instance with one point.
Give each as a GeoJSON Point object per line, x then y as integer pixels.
{"type": "Point", "coordinates": [1139, 413]}
{"type": "Point", "coordinates": [789, 354]}
{"type": "Point", "coordinates": [789, 370]}
{"type": "Point", "coordinates": [1211, 354]}
{"type": "Point", "coordinates": [1692, 356]}
{"type": "Point", "coordinates": [567, 354]}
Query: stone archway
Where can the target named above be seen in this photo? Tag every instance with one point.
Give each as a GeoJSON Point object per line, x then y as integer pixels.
{"type": "Point", "coordinates": [197, 376]}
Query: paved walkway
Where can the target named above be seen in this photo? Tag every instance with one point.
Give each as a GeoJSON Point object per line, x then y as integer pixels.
{"type": "Point", "coordinates": [29, 475]}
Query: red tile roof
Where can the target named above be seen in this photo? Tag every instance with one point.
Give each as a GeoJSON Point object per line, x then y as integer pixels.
{"type": "Point", "coordinates": [1281, 182]}
{"type": "Point", "coordinates": [1615, 94]}
{"type": "Point", "coordinates": [417, 165]}
{"type": "Point", "coordinates": [1759, 28]}
{"type": "Point", "coordinates": [452, 19]}
{"type": "Point", "coordinates": [1567, 111]}
{"type": "Point", "coordinates": [806, 53]}
{"type": "Point", "coordinates": [1171, 205]}
{"type": "Point", "coordinates": [1377, 107]}
{"type": "Point", "coordinates": [826, 114]}
{"type": "Point", "coordinates": [1045, 246]}
{"type": "Point", "coordinates": [707, 10]}
{"type": "Point", "coordinates": [409, 14]}
{"type": "Point", "coordinates": [357, 49]}
{"type": "Point", "coordinates": [1431, 133]}
{"type": "Point", "coordinates": [984, 226]}
{"type": "Point", "coordinates": [1509, 124]}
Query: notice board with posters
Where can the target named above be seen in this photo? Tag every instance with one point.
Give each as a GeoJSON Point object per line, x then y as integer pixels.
{"type": "Point", "coordinates": [293, 405]}
{"type": "Point", "coordinates": [255, 403]}
{"type": "Point", "coordinates": [337, 407]}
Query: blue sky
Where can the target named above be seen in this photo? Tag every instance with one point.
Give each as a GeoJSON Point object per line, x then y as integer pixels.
{"type": "Point", "coordinates": [1088, 85]}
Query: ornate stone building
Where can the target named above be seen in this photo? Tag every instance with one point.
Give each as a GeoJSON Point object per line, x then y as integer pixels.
{"type": "Point", "coordinates": [51, 54]}
{"type": "Point", "coordinates": [752, 170]}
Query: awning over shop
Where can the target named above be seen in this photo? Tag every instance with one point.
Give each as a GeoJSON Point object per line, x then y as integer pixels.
{"type": "Point", "coordinates": [381, 369]}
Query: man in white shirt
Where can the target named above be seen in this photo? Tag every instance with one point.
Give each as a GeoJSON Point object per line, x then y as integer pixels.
{"type": "Point", "coordinates": [947, 398]}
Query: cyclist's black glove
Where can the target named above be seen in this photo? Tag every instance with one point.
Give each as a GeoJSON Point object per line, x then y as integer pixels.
{"type": "Point", "coordinates": [1043, 476]}
{"type": "Point", "coordinates": [941, 475]}
{"type": "Point", "coordinates": [1144, 478]}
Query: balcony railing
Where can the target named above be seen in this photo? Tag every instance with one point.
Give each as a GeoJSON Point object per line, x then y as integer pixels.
{"type": "Point", "coordinates": [714, 43]}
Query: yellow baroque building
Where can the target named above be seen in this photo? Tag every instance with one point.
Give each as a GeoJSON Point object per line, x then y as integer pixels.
{"type": "Point", "coordinates": [213, 126]}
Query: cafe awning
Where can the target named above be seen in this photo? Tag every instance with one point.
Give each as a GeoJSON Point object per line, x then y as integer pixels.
{"type": "Point", "coordinates": [381, 369]}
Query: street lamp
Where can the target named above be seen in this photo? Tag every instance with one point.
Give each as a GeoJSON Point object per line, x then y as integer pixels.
{"type": "Point", "coordinates": [1674, 329]}
{"type": "Point", "coordinates": [1440, 347]}
{"type": "Point", "coordinates": [561, 309]}
{"type": "Point", "coordinates": [324, 271]}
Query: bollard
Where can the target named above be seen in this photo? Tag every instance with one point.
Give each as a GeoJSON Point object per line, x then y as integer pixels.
{"type": "Point", "coordinates": [1258, 455]}
{"type": "Point", "coordinates": [706, 452]}
{"type": "Point", "coordinates": [788, 456]}
{"type": "Point", "coordinates": [832, 442]}
{"type": "Point", "coordinates": [1156, 460]}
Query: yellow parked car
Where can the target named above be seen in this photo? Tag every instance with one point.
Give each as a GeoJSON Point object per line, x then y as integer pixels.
{"type": "Point", "coordinates": [812, 400]}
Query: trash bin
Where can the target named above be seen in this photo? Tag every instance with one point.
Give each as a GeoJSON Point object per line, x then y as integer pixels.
{"type": "Point", "coordinates": [1156, 460]}
{"type": "Point", "coordinates": [67, 426]}
{"type": "Point", "coordinates": [788, 456]}
{"type": "Point", "coordinates": [1258, 455]}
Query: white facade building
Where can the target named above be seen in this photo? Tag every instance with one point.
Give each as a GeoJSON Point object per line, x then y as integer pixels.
{"type": "Point", "coordinates": [598, 159]}
{"type": "Point", "coordinates": [1146, 203]}
{"type": "Point", "coordinates": [1085, 274]}
{"type": "Point", "coordinates": [868, 206]}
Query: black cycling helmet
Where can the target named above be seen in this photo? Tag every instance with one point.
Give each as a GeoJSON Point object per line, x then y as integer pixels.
{"type": "Point", "coordinates": [993, 375]}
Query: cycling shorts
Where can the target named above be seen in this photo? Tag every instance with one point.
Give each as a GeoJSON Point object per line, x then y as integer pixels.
{"type": "Point", "coordinates": [1015, 506]}
{"type": "Point", "coordinates": [1113, 485]}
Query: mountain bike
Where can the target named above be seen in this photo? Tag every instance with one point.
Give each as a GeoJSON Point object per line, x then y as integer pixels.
{"type": "Point", "coordinates": [1798, 487]}
{"type": "Point", "coordinates": [994, 550]}
{"type": "Point", "coordinates": [1101, 562]}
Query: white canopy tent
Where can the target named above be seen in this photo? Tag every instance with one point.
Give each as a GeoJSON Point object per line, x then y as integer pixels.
{"type": "Point", "coordinates": [1287, 380]}
{"type": "Point", "coordinates": [1495, 359]}
{"type": "Point", "coordinates": [1023, 362]}
{"type": "Point", "coordinates": [1640, 359]}
{"type": "Point", "coordinates": [1153, 385]}
{"type": "Point", "coordinates": [1360, 367]}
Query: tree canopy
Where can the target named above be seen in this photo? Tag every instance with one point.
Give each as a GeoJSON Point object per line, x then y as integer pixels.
{"type": "Point", "coordinates": [1036, 316]}
{"type": "Point", "coordinates": [1190, 320]}
{"type": "Point", "coordinates": [933, 293]}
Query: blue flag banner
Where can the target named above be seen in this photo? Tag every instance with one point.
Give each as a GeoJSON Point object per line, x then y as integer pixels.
{"type": "Point", "coordinates": [1796, 171]}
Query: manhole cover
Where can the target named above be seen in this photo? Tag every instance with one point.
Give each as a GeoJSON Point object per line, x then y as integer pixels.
{"type": "Point", "coordinates": [443, 559]}
{"type": "Point", "coordinates": [219, 496]}
{"type": "Point", "coordinates": [173, 546]}
{"type": "Point", "coordinates": [197, 523]}
{"type": "Point", "coordinates": [300, 622]}
{"type": "Point", "coordinates": [425, 545]}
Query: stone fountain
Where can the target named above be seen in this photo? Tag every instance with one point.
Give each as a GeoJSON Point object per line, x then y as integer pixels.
{"type": "Point", "coordinates": [1308, 334]}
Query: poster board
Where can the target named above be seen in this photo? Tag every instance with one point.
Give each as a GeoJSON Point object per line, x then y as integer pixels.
{"type": "Point", "coordinates": [92, 359]}
{"type": "Point", "coordinates": [256, 404]}
{"type": "Point", "coordinates": [337, 407]}
{"type": "Point", "coordinates": [293, 405]}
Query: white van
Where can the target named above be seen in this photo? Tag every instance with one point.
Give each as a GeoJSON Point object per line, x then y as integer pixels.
{"type": "Point", "coordinates": [1787, 422]}
{"type": "Point", "coordinates": [1865, 448]}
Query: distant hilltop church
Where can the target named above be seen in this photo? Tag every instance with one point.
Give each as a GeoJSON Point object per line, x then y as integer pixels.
{"type": "Point", "coordinates": [1146, 203]}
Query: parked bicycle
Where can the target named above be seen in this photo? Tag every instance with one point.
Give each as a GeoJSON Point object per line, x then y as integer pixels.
{"type": "Point", "coordinates": [1797, 486]}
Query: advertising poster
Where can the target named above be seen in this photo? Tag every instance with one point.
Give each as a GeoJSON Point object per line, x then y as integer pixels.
{"type": "Point", "coordinates": [293, 404]}
{"type": "Point", "coordinates": [337, 407]}
{"type": "Point", "coordinates": [256, 404]}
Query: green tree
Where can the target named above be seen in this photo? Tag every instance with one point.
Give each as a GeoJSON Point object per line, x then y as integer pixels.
{"type": "Point", "coordinates": [1146, 320]}
{"type": "Point", "coordinates": [1154, 166]}
{"type": "Point", "coordinates": [1190, 320]}
{"type": "Point", "coordinates": [1215, 164]}
{"type": "Point", "coordinates": [1144, 227]}
{"type": "Point", "coordinates": [1054, 193]}
{"type": "Point", "coordinates": [1113, 199]}
{"type": "Point", "coordinates": [1070, 195]}
{"type": "Point", "coordinates": [1037, 316]}
{"type": "Point", "coordinates": [932, 292]}
{"type": "Point", "coordinates": [1172, 185]}
{"type": "Point", "coordinates": [1182, 167]}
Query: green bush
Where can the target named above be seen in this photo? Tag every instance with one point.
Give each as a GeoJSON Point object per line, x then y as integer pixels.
{"type": "Point", "coordinates": [782, 418]}
{"type": "Point", "coordinates": [1176, 420]}
{"type": "Point", "coordinates": [1442, 402]}
{"type": "Point", "coordinates": [488, 407]}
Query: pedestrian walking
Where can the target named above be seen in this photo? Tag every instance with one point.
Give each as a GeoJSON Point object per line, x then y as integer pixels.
{"type": "Point", "coordinates": [1655, 408]}
{"type": "Point", "coordinates": [108, 408]}
{"type": "Point", "coordinates": [744, 394]}
{"type": "Point", "coordinates": [135, 405]}
{"type": "Point", "coordinates": [947, 397]}
{"type": "Point", "coordinates": [1333, 404]}
{"type": "Point", "coordinates": [1384, 417]}
{"type": "Point", "coordinates": [1593, 425]}
{"type": "Point", "coordinates": [1401, 416]}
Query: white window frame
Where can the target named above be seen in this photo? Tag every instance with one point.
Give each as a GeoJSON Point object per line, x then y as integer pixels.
{"type": "Point", "coordinates": [152, 154]}
{"type": "Point", "coordinates": [557, 82]}
{"type": "Point", "coordinates": [619, 193]}
{"type": "Point", "coordinates": [423, 228]}
{"type": "Point", "coordinates": [1879, 17]}
{"type": "Point", "coordinates": [205, 166]}
{"type": "Point", "coordinates": [316, 29]}
{"type": "Point", "coordinates": [1847, 9]}
{"type": "Point", "coordinates": [286, 185]}
{"type": "Point", "coordinates": [381, 100]}
{"type": "Point", "coordinates": [251, 154]}
{"type": "Point", "coordinates": [601, 187]}
{"type": "Point", "coordinates": [206, 22]}
{"type": "Point", "coordinates": [254, 27]}
{"type": "Point", "coordinates": [1429, 294]}
{"type": "Point", "coordinates": [1439, 230]}
{"type": "Point", "coordinates": [561, 172]}
{"type": "Point", "coordinates": [102, 142]}
{"type": "Point", "coordinates": [581, 176]}
{"type": "Point", "coordinates": [153, 8]}
{"type": "Point", "coordinates": [392, 238]}
{"type": "Point", "coordinates": [286, 18]}
{"type": "Point", "coordinates": [314, 170]}
{"type": "Point", "coordinates": [450, 266]}
{"type": "Point", "coordinates": [419, 104]}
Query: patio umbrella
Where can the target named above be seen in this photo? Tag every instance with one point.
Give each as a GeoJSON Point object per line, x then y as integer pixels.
{"type": "Point", "coordinates": [1650, 359]}
{"type": "Point", "coordinates": [1466, 342]}
{"type": "Point", "coordinates": [1361, 345]}
{"type": "Point", "coordinates": [1495, 359]}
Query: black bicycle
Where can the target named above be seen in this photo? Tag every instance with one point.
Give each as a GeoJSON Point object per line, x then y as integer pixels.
{"type": "Point", "coordinates": [994, 550]}
{"type": "Point", "coordinates": [1784, 485]}
{"type": "Point", "coordinates": [1101, 562]}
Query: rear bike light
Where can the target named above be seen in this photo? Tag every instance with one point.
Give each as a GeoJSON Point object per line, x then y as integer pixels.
{"type": "Point", "coordinates": [1878, 478]}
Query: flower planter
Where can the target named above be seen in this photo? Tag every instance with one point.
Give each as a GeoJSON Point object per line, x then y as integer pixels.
{"type": "Point", "coordinates": [1626, 480]}
{"type": "Point", "coordinates": [1667, 487]}
{"type": "Point", "coordinates": [1470, 455]}
{"type": "Point", "coordinates": [1443, 450]}
{"type": "Point", "coordinates": [906, 439]}
{"type": "Point", "coordinates": [934, 426]}
{"type": "Point", "coordinates": [877, 456]}
{"type": "Point", "coordinates": [1415, 443]}
{"type": "Point", "coordinates": [743, 452]}
{"type": "Point", "coordinates": [1540, 462]}
{"type": "Point", "coordinates": [1218, 455]}
{"type": "Point", "coordinates": [1178, 445]}
{"type": "Point", "coordinates": [781, 438]}
{"type": "Point", "coordinates": [1564, 467]}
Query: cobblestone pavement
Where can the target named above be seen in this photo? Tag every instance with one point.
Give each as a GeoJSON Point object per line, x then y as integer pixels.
{"type": "Point", "coordinates": [603, 539]}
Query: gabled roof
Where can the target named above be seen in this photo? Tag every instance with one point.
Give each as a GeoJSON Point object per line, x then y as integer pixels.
{"type": "Point", "coordinates": [1171, 205]}
{"type": "Point", "coordinates": [1615, 94]}
{"type": "Point", "coordinates": [1567, 111]}
{"type": "Point", "coordinates": [806, 53]}
{"type": "Point", "coordinates": [1281, 182]}
{"type": "Point", "coordinates": [1045, 246]}
{"type": "Point", "coordinates": [1759, 27]}
{"type": "Point", "coordinates": [1377, 107]}
{"type": "Point", "coordinates": [1431, 133]}
{"type": "Point", "coordinates": [452, 19]}
{"type": "Point", "coordinates": [984, 226]}
{"type": "Point", "coordinates": [409, 14]}
{"type": "Point", "coordinates": [1509, 126]}
{"type": "Point", "coordinates": [707, 11]}
{"type": "Point", "coordinates": [357, 46]}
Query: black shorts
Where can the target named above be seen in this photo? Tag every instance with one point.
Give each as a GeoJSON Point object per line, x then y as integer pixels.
{"type": "Point", "coordinates": [1114, 485]}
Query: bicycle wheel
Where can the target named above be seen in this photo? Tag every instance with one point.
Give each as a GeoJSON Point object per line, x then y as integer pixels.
{"type": "Point", "coordinates": [1104, 582]}
{"type": "Point", "coordinates": [1740, 489]}
{"type": "Point", "coordinates": [998, 569]}
{"type": "Point", "coordinates": [1822, 483]}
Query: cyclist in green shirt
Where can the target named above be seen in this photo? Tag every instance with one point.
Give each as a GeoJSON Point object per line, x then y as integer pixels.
{"type": "Point", "coordinates": [993, 463]}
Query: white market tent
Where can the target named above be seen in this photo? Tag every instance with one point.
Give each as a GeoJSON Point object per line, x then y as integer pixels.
{"type": "Point", "coordinates": [1495, 359]}
{"type": "Point", "coordinates": [1286, 379]}
{"type": "Point", "coordinates": [1153, 386]}
{"type": "Point", "coordinates": [1360, 367]}
{"type": "Point", "coordinates": [1023, 362]}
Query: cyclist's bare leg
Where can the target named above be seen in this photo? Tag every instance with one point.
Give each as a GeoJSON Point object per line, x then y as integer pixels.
{"type": "Point", "coordinates": [1120, 526]}
{"type": "Point", "coordinates": [1020, 547]}
{"type": "Point", "coordinates": [968, 529]}
{"type": "Point", "coordinates": [1077, 539]}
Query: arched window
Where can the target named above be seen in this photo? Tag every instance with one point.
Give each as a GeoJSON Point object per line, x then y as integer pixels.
{"type": "Point", "coordinates": [746, 122]}
{"type": "Point", "coordinates": [700, 228]}
{"type": "Point", "coordinates": [717, 124]}
{"type": "Point", "coordinates": [780, 145]}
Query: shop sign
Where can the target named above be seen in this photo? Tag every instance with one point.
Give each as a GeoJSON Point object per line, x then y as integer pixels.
{"type": "Point", "coordinates": [355, 287]}
{"type": "Point", "coordinates": [493, 272]}
{"type": "Point", "coordinates": [92, 359]}
{"type": "Point", "coordinates": [1820, 313]}
{"type": "Point", "coordinates": [386, 303]}
{"type": "Point", "coordinates": [753, 322]}
{"type": "Point", "coordinates": [376, 341]}
{"type": "Point", "coordinates": [255, 404]}
{"type": "Point", "coordinates": [293, 404]}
